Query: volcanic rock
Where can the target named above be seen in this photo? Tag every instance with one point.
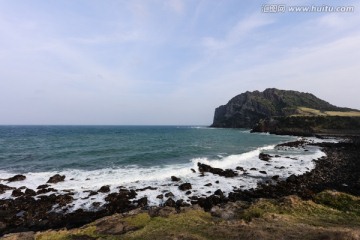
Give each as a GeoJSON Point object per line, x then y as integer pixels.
{"type": "Point", "coordinates": [17, 193]}
{"type": "Point", "coordinates": [56, 178]}
{"type": "Point", "coordinates": [185, 186]}
{"type": "Point", "coordinates": [264, 156]}
{"type": "Point", "coordinates": [104, 189]}
{"type": "Point", "coordinates": [4, 188]}
{"type": "Point", "coordinates": [170, 203]}
{"type": "Point", "coordinates": [175, 179]}
{"type": "Point", "coordinates": [16, 178]}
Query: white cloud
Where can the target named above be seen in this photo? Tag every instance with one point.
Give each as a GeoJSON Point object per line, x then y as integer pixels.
{"type": "Point", "coordinates": [238, 32]}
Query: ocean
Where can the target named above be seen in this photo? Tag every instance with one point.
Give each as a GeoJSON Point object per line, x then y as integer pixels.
{"type": "Point", "coordinates": [136, 157]}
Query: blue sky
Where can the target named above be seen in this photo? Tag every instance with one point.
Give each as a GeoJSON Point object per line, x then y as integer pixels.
{"type": "Point", "coordinates": [166, 62]}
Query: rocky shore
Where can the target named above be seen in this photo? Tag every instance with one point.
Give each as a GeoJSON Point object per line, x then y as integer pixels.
{"type": "Point", "coordinates": [339, 170]}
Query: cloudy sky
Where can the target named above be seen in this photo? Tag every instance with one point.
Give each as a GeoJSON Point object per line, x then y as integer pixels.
{"type": "Point", "coordinates": [167, 62]}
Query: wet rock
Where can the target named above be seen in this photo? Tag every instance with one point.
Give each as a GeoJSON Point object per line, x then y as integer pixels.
{"type": "Point", "coordinates": [240, 169]}
{"type": "Point", "coordinates": [224, 173]}
{"type": "Point", "coordinates": [291, 178]}
{"type": "Point", "coordinates": [92, 193]}
{"type": "Point", "coordinates": [253, 169]}
{"type": "Point", "coordinates": [175, 179]}
{"type": "Point", "coordinates": [160, 196]}
{"type": "Point", "coordinates": [146, 188]}
{"type": "Point", "coordinates": [46, 190]}
{"type": "Point", "coordinates": [127, 193]}
{"type": "Point", "coordinates": [185, 186]}
{"type": "Point", "coordinates": [104, 189]}
{"type": "Point", "coordinates": [4, 188]}
{"type": "Point", "coordinates": [208, 185]}
{"type": "Point", "coordinates": [56, 178]}
{"type": "Point", "coordinates": [96, 204]}
{"type": "Point", "coordinates": [63, 200]}
{"type": "Point", "coordinates": [43, 186]}
{"type": "Point", "coordinates": [169, 194]}
{"type": "Point", "coordinates": [16, 193]}
{"type": "Point", "coordinates": [193, 170]}
{"type": "Point", "coordinates": [118, 202]}
{"type": "Point", "coordinates": [30, 192]}
{"type": "Point", "coordinates": [263, 172]}
{"type": "Point", "coordinates": [219, 192]}
{"type": "Point", "coordinates": [188, 193]}
{"type": "Point", "coordinates": [170, 203]}
{"type": "Point", "coordinates": [217, 182]}
{"type": "Point", "coordinates": [16, 178]}
{"type": "Point", "coordinates": [142, 202]}
{"type": "Point", "coordinates": [264, 157]}
{"type": "Point", "coordinates": [275, 177]}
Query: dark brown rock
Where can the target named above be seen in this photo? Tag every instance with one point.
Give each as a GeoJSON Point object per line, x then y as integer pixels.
{"type": "Point", "coordinates": [4, 188]}
{"type": "Point", "coordinates": [175, 179]}
{"type": "Point", "coordinates": [30, 192]}
{"type": "Point", "coordinates": [185, 186]}
{"type": "Point", "coordinates": [17, 193]}
{"type": "Point", "coordinates": [170, 203]}
{"type": "Point", "coordinates": [276, 177]}
{"type": "Point", "coordinates": [142, 202]}
{"type": "Point", "coordinates": [16, 178]}
{"type": "Point", "coordinates": [240, 169]}
{"type": "Point", "coordinates": [43, 186]}
{"type": "Point", "coordinates": [169, 194]}
{"type": "Point", "coordinates": [104, 189]}
{"type": "Point", "coordinates": [224, 173]}
{"type": "Point", "coordinates": [264, 156]}
{"type": "Point", "coordinates": [56, 178]}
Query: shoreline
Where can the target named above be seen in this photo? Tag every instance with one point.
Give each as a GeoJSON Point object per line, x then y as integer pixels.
{"type": "Point", "coordinates": [305, 186]}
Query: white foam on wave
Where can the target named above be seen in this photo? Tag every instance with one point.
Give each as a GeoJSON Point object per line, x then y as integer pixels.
{"type": "Point", "coordinates": [134, 177]}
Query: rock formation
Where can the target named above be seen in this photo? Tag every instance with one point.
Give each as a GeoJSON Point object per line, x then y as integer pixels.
{"type": "Point", "coordinates": [245, 110]}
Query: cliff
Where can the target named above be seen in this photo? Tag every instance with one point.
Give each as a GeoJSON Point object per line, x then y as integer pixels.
{"type": "Point", "coordinates": [247, 109]}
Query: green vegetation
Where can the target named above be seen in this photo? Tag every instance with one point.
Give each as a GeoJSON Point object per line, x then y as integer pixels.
{"type": "Point", "coordinates": [304, 111]}
{"type": "Point", "coordinates": [332, 215]}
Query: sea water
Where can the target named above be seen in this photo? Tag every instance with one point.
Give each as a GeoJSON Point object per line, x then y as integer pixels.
{"type": "Point", "coordinates": [139, 156]}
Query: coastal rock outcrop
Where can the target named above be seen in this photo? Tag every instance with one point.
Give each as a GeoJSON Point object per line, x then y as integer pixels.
{"type": "Point", "coordinates": [56, 178]}
{"type": "Point", "coordinates": [247, 109]}
{"type": "Point", "coordinates": [17, 178]}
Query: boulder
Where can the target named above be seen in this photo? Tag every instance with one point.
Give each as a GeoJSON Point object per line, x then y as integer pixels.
{"type": "Point", "coordinates": [169, 194]}
{"type": "Point", "coordinates": [224, 173]}
{"type": "Point", "coordinates": [264, 156]}
{"type": "Point", "coordinates": [4, 188]}
{"type": "Point", "coordinates": [175, 179]}
{"type": "Point", "coordinates": [170, 203]}
{"type": "Point", "coordinates": [142, 202]}
{"type": "Point", "coordinates": [30, 192]}
{"type": "Point", "coordinates": [56, 178]}
{"type": "Point", "coordinates": [17, 193]}
{"type": "Point", "coordinates": [104, 189]}
{"type": "Point", "coordinates": [16, 178]}
{"type": "Point", "coordinates": [275, 177]}
{"type": "Point", "coordinates": [185, 186]}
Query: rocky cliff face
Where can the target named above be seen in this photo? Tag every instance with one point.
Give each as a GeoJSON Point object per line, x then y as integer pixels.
{"type": "Point", "coordinates": [246, 109]}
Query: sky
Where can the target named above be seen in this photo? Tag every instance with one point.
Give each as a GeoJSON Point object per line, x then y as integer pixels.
{"type": "Point", "coordinates": [170, 62]}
